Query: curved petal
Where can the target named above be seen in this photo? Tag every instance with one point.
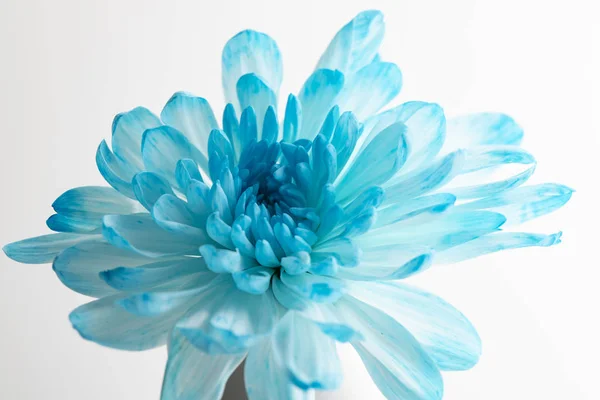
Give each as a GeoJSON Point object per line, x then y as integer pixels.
{"type": "Point", "coordinates": [445, 334]}
{"type": "Point", "coordinates": [308, 356]}
{"type": "Point", "coordinates": [318, 96]}
{"type": "Point", "coordinates": [377, 163]}
{"type": "Point", "coordinates": [104, 322]}
{"type": "Point", "coordinates": [524, 203]}
{"type": "Point", "coordinates": [228, 320]}
{"type": "Point", "coordinates": [114, 171]}
{"type": "Point", "coordinates": [292, 122]}
{"type": "Point", "coordinates": [71, 224]}
{"type": "Point", "coordinates": [139, 233]}
{"type": "Point", "coordinates": [77, 267]}
{"type": "Point", "coordinates": [173, 215]}
{"type": "Point", "coordinates": [482, 129]}
{"type": "Point", "coordinates": [495, 242]}
{"type": "Point", "coordinates": [356, 44]}
{"type": "Point", "coordinates": [250, 52]}
{"type": "Point", "coordinates": [371, 88]}
{"type": "Point", "coordinates": [43, 249]}
{"type": "Point", "coordinates": [149, 275]}
{"type": "Point", "coordinates": [194, 374]}
{"type": "Point", "coordinates": [148, 187]}
{"type": "Point", "coordinates": [437, 231]}
{"type": "Point", "coordinates": [388, 262]}
{"type": "Point", "coordinates": [409, 208]}
{"type": "Point", "coordinates": [127, 131]}
{"type": "Point", "coordinates": [193, 117]}
{"type": "Point", "coordinates": [85, 200]}
{"type": "Point", "coordinates": [163, 147]}
{"type": "Point", "coordinates": [398, 364]}
{"type": "Point", "coordinates": [318, 288]}
{"type": "Point", "coordinates": [254, 92]}
{"type": "Point", "coordinates": [265, 379]}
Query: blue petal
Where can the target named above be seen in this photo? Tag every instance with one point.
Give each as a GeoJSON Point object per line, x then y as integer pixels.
{"type": "Point", "coordinates": [399, 366]}
{"type": "Point", "coordinates": [254, 92]}
{"type": "Point", "coordinates": [293, 119]}
{"type": "Point", "coordinates": [356, 44]}
{"type": "Point", "coordinates": [250, 52]}
{"type": "Point", "coordinates": [193, 117]}
{"type": "Point", "coordinates": [318, 288]}
{"type": "Point", "coordinates": [174, 296]}
{"type": "Point", "coordinates": [345, 137]}
{"type": "Point", "coordinates": [104, 322]}
{"type": "Point", "coordinates": [382, 81]}
{"type": "Point", "coordinates": [482, 129]}
{"type": "Point", "coordinates": [173, 215]}
{"type": "Point", "coordinates": [228, 320]}
{"type": "Point", "coordinates": [377, 163]}
{"type": "Point", "coordinates": [78, 266]}
{"type": "Point", "coordinates": [265, 379]}
{"type": "Point", "coordinates": [148, 187]}
{"type": "Point", "coordinates": [270, 130]}
{"type": "Point", "coordinates": [146, 276]}
{"type": "Point", "coordinates": [409, 208]}
{"type": "Point", "coordinates": [163, 147]}
{"type": "Point", "coordinates": [389, 262]}
{"type": "Point", "coordinates": [71, 224]}
{"type": "Point", "coordinates": [495, 242]}
{"type": "Point", "coordinates": [524, 203]}
{"type": "Point", "coordinates": [85, 200]}
{"type": "Point", "coordinates": [445, 334]}
{"type": "Point", "coordinates": [424, 180]}
{"type": "Point", "coordinates": [139, 233]}
{"type": "Point", "coordinates": [426, 131]}
{"type": "Point", "coordinates": [43, 249]}
{"type": "Point", "coordinates": [187, 171]}
{"type": "Point", "coordinates": [225, 261]}
{"type": "Point", "coordinates": [475, 178]}
{"type": "Point", "coordinates": [127, 130]}
{"type": "Point", "coordinates": [308, 356]}
{"type": "Point", "coordinates": [255, 280]}
{"type": "Point", "coordinates": [318, 96]}
{"type": "Point", "coordinates": [435, 231]}
{"type": "Point", "coordinates": [193, 374]}
{"type": "Point", "coordinates": [116, 173]}
{"type": "Point", "coordinates": [248, 128]}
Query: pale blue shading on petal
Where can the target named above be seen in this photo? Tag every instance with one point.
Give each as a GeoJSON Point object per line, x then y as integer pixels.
{"type": "Point", "coordinates": [307, 355]}
{"type": "Point", "coordinates": [370, 89]}
{"type": "Point", "coordinates": [482, 129]}
{"type": "Point", "coordinates": [250, 52]}
{"type": "Point", "coordinates": [148, 187]}
{"type": "Point", "coordinates": [356, 44]}
{"type": "Point", "coordinates": [292, 123]}
{"type": "Point", "coordinates": [116, 173]}
{"type": "Point", "coordinates": [192, 116]}
{"type": "Point", "coordinates": [317, 96]}
{"type": "Point", "coordinates": [104, 322]}
{"type": "Point", "coordinates": [43, 249]}
{"type": "Point", "coordinates": [399, 366]}
{"type": "Point", "coordinates": [127, 131]}
{"type": "Point", "coordinates": [78, 266]}
{"type": "Point", "coordinates": [139, 233]}
{"type": "Point", "coordinates": [265, 379]}
{"type": "Point", "coordinates": [254, 92]}
{"type": "Point", "coordinates": [496, 242]}
{"type": "Point", "coordinates": [193, 374]}
{"type": "Point", "coordinates": [163, 147]}
{"type": "Point", "coordinates": [445, 334]}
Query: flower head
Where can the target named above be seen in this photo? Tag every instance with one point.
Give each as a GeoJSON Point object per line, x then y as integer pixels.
{"type": "Point", "coordinates": [276, 233]}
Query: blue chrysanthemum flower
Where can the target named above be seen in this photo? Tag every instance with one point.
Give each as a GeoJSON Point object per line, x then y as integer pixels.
{"type": "Point", "coordinates": [270, 241]}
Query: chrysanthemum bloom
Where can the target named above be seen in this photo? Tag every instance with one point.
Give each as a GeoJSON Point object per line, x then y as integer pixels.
{"type": "Point", "coordinates": [270, 241]}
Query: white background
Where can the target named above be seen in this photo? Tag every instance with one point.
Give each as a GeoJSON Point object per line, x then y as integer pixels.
{"type": "Point", "coordinates": [67, 66]}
